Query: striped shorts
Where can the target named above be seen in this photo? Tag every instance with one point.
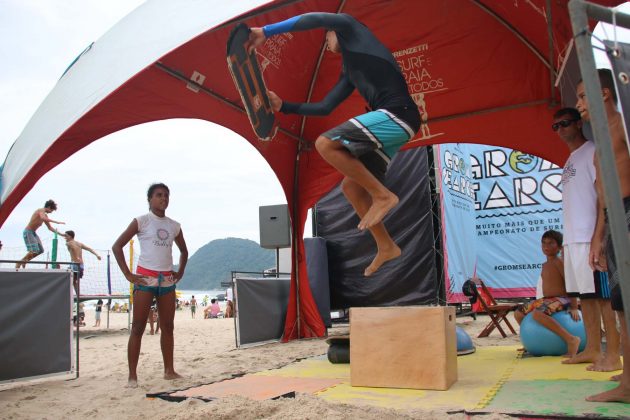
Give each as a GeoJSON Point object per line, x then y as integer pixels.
{"type": "Point", "coordinates": [373, 138]}
{"type": "Point", "coordinates": [32, 242]}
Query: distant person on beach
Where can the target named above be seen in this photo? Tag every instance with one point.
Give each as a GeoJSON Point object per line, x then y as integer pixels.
{"type": "Point", "coordinates": [555, 295]}
{"type": "Point", "coordinates": [154, 318]}
{"type": "Point", "coordinates": [602, 255]}
{"type": "Point", "coordinates": [31, 239]}
{"type": "Point", "coordinates": [154, 276]}
{"type": "Point", "coordinates": [97, 313]}
{"type": "Point", "coordinates": [81, 315]}
{"type": "Point", "coordinates": [229, 309]}
{"type": "Point", "coordinates": [75, 248]}
{"type": "Point", "coordinates": [193, 306]}
{"type": "Point", "coordinates": [213, 310]}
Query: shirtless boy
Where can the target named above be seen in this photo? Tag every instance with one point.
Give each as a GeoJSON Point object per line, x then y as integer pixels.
{"type": "Point", "coordinates": [602, 254]}
{"type": "Point", "coordinates": [555, 294]}
{"type": "Point", "coordinates": [31, 240]}
{"type": "Point", "coordinates": [75, 248]}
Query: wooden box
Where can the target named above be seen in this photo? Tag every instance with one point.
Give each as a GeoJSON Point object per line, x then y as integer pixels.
{"type": "Point", "coordinates": [403, 347]}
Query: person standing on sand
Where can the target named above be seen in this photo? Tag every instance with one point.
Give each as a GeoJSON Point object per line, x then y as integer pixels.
{"type": "Point", "coordinates": [97, 313]}
{"type": "Point", "coordinates": [193, 306]}
{"type": "Point", "coordinates": [154, 276]}
{"type": "Point", "coordinates": [75, 248]}
{"type": "Point", "coordinates": [579, 210]}
{"type": "Point", "coordinates": [31, 239]}
{"type": "Point", "coordinates": [602, 253]}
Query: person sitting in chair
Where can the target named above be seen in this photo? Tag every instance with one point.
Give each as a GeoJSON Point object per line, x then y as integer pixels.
{"type": "Point", "coordinates": [555, 294]}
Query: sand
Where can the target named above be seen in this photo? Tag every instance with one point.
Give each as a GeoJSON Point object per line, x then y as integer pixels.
{"type": "Point", "coordinates": [205, 351]}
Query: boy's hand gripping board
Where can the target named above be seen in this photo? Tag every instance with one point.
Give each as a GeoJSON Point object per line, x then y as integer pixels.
{"type": "Point", "coordinates": [248, 79]}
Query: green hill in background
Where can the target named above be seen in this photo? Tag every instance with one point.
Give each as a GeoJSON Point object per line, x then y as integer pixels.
{"type": "Point", "coordinates": [214, 262]}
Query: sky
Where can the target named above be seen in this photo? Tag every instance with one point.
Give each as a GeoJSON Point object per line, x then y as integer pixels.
{"type": "Point", "coordinates": [217, 179]}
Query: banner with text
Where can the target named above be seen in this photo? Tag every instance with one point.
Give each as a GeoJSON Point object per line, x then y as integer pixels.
{"type": "Point", "coordinates": [506, 200]}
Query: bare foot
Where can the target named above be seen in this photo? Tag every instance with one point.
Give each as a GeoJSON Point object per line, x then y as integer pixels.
{"type": "Point", "coordinates": [172, 375]}
{"type": "Point", "coordinates": [380, 207]}
{"type": "Point", "coordinates": [132, 383]}
{"type": "Point", "coordinates": [606, 365]}
{"type": "Point", "coordinates": [151, 332]}
{"type": "Point", "coordinates": [382, 256]}
{"type": "Point", "coordinates": [573, 345]}
{"type": "Point", "coordinates": [582, 357]}
{"type": "Point", "coordinates": [615, 378]}
{"type": "Point", "coordinates": [618, 394]}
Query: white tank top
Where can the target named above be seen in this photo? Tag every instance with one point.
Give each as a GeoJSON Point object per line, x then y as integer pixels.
{"type": "Point", "coordinates": [579, 197]}
{"type": "Point", "coordinates": [156, 236]}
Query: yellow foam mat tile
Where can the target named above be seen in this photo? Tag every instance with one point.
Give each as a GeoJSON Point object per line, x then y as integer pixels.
{"type": "Point", "coordinates": [478, 376]}
{"type": "Point", "coordinates": [311, 368]}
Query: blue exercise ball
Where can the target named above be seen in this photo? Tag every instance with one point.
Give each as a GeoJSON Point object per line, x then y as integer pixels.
{"type": "Point", "coordinates": [464, 342]}
{"type": "Point", "coordinates": [539, 341]}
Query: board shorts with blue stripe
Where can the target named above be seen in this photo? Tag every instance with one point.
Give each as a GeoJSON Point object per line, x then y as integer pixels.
{"type": "Point", "coordinates": [32, 242]}
{"type": "Point", "coordinates": [373, 138]}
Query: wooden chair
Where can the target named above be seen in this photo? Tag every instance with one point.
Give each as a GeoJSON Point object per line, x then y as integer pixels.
{"type": "Point", "coordinates": [497, 312]}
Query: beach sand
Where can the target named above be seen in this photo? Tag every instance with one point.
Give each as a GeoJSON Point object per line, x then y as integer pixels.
{"type": "Point", "coordinates": [205, 351]}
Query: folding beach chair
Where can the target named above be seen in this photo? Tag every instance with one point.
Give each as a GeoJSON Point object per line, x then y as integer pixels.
{"type": "Point", "coordinates": [497, 312]}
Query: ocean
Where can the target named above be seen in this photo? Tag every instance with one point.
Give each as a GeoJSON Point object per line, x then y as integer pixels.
{"type": "Point", "coordinates": [182, 295]}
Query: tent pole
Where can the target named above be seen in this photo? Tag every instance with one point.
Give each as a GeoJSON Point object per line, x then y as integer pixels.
{"type": "Point", "coordinates": [294, 239]}
{"type": "Point", "coordinates": [552, 75]}
{"type": "Point", "coordinates": [580, 11]}
{"type": "Point", "coordinates": [516, 33]}
{"type": "Point", "coordinates": [294, 205]}
{"type": "Point", "coordinates": [489, 110]}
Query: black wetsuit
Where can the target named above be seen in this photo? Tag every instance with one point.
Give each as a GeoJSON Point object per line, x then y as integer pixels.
{"type": "Point", "coordinates": [368, 66]}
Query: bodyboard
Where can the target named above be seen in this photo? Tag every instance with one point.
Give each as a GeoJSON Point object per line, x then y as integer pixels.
{"type": "Point", "coordinates": [250, 84]}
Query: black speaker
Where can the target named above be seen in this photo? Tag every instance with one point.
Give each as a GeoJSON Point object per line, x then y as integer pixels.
{"type": "Point", "coordinates": [317, 269]}
{"type": "Point", "coordinates": [275, 230]}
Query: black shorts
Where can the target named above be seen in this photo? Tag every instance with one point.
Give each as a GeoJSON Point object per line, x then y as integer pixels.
{"type": "Point", "coordinates": [613, 274]}
{"type": "Point", "coordinates": [615, 299]}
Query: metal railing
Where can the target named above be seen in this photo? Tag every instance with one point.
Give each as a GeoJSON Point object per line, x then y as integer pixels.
{"type": "Point", "coordinates": [580, 11]}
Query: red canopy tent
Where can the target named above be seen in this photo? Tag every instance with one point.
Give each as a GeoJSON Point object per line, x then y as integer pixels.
{"type": "Point", "coordinates": [483, 71]}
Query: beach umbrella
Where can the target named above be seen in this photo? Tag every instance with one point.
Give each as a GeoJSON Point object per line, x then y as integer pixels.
{"type": "Point", "coordinates": [481, 71]}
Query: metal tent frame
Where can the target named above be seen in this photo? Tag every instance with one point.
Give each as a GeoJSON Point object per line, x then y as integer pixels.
{"type": "Point", "coordinates": [580, 11]}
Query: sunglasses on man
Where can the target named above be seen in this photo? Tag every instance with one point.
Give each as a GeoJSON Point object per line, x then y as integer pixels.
{"type": "Point", "coordinates": [562, 123]}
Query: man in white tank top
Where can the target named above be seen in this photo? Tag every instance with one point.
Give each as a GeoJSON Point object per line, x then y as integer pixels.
{"type": "Point", "coordinates": [579, 208]}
